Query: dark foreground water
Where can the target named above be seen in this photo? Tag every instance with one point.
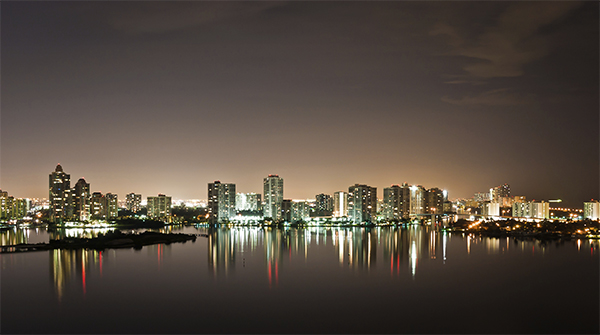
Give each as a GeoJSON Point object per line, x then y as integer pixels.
{"type": "Point", "coordinates": [317, 280]}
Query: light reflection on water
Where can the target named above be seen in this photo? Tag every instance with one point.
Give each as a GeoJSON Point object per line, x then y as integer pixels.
{"type": "Point", "coordinates": [228, 266]}
{"type": "Point", "coordinates": [399, 250]}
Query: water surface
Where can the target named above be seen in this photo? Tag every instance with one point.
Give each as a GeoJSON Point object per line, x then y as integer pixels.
{"type": "Point", "coordinates": [314, 280]}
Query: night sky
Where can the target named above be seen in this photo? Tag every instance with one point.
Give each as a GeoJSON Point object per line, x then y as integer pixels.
{"type": "Point", "coordinates": [165, 97]}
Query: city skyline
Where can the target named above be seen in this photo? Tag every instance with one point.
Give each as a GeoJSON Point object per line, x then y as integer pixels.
{"type": "Point", "coordinates": [167, 97]}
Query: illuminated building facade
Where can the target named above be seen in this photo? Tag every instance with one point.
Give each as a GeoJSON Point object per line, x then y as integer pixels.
{"type": "Point", "coordinates": [300, 210]}
{"type": "Point", "coordinates": [499, 192]}
{"type": "Point", "coordinates": [248, 202]}
{"type": "Point", "coordinates": [81, 200]}
{"type": "Point", "coordinates": [531, 209]}
{"type": "Point", "coordinates": [323, 205]}
{"type": "Point", "coordinates": [133, 202]}
{"type": "Point", "coordinates": [591, 210]}
{"type": "Point", "coordinates": [60, 195]}
{"type": "Point", "coordinates": [159, 207]}
{"type": "Point", "coordinates": [340, 204]}
{"type": "Point", "coordinates": [286, 210]}
{"type": "Point", "coordinates": [417, 200]}
{"type": "Point", "coordinates": [273, 196]}
{"type": "Point", "coordinates": [98, 206]}
{"type": "Point", "coordinates": [112, 205]}
{"type": "Point", "coordinates": [434, 201]}
{"type": "Point", "coordinates": [362, 203]}
{"type": "Point", "coordinates": [221, 202]}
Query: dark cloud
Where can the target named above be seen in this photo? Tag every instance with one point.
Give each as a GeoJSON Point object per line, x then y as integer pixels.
{"type": "Point", "coordinates": [513, 41]}
{"type": "Point", "coordinates": [497, 97]}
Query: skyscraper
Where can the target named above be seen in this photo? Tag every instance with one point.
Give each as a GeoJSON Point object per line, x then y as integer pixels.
{"type": "Point", "coordinates": [396, 202]}
{"type": "Point", "coordinates": [501, 191]}
{"type": "Point", "coordinates": [60, 195]}
{"type": "Point", "coordinates": [362, 203]}
{"type": "Point", "coordinates": [81, 200]}
{"type": "Point", "coordinates": [221, 201]}
{"type": "Point", "coordinates": [133, 202]}
{"type": "Point", "coordinates": [417, 200]}
{"type": "Point", "coordinates": [112, 205]}
{"type": "Point", "coordinates": [340, 204]}
{"type": "Point", "coordinates": [159, 207]}
{"type": "Point", "coordinates": [273, 196]}
{"type": "Point", "coordinates": [98, 206]}
{"type": "Point", "coordinates": [323, 205]}
{"type": "Point", "coordinates": [434, 201]}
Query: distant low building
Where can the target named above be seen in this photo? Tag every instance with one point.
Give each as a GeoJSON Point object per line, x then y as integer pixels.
{"type": "Point", "coordinates": [531, 209]}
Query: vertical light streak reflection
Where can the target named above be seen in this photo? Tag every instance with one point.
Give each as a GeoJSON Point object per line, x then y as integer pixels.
{"type": "Point", "coordinates": [444, 237]}
{"type": "Point", "coordinates": [413, 258]}
{"type": "Point", "coordinates": [578, 245]}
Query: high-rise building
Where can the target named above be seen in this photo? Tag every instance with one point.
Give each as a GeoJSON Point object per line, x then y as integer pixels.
{"type": "Point", "coordinates": [112, 205]}
{"type": "Point", "coordinates": [11, 208]}
{"type": "Point", "coordinates": [300, 210]}
{"type": "Point", "coordinates": [591, 210]}
{"type": "Point", "coordinates": [81, 200]}
{"type": "Point", "coordinates": [434, 201]}
{"type": "Point", "coordinates": [396, 201]}
{"type": "Point", "coordinates": [221, 201]}
{"type": "Point", "coordinates": [417, 200]}
{"type": "Point", "coordinates": [286, 210]}
{"type": "Point", "coordinates": [340, 204]}
{"type": "Point", "coordinates": [133, 202]}
{"type": "Point", "coordinates": [248, 202]}
{"type": "Point", "coordinates": [159, 207]}
{"type": "Point", "coordinates": [362, 203]}
{"type": "Point", "coordinates": [60, 195]}
{"type": "Point", "coordinates": [98, 206]}
{"type": "Point", "coordinates": [323, 205]}
{"type": "Point", "coordinates": [273, 196]}
{"type": "Point", "coordinates": [499, 191]}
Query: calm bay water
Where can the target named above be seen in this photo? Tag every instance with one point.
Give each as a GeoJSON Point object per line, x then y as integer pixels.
{"type": "Point", "coordinates": [314, 280]}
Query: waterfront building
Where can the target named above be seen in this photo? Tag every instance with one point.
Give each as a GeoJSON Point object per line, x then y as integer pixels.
{"type": "Point", "coordinates": [392, 202]}
{"type": "Point", "coordinates": [434, 201]}
{"type": "Point", "coordinates": [417, 200]}
{"type": "Point", "coordinates": [273, 196]}
{"type": "Point", "coordinates": [340, 204]}
{"type": "Point", "coordinates": [248, 202]}
{"type": "Point", "coordinates": [531, 209]}
{"type": "Point", "coordinates": [286, 210]}
{"type": "Point", "coordinates": [98, 206]}
{"type": "Point", "coordinates": [323, 205]}
{"type": "Point", "coordinates": [112, 205]}
{"type": "Point", "coordinates": [221, 202]}
{"type": "Point", "coordinates": [133, 202]}
{"type": "Point", "coordinates": [300, 210]}
{"type": "Point", "coordinates": [159, 207]}
{"type": "Point", "coordinates": [81, 200]}
{"type": "Point", "coordinates": [362, 203]}
{"type": "Point", "coordinates": [5, 205]}
{"type": "Point", "coordinates": [591, 210]}
{"type": "Point", "coordinates": [60, 195]}
{"type": "Point", "coordinates": [489, 209]}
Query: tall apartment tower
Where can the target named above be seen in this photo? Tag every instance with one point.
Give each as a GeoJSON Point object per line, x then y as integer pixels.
{"type": "Point", "coordinates": [340, 204]}
{"type": "Point", "coordinates": [60, 195]}
{"type": "Point", "coordinates": [159, 207]}
{"type": "Point", "coordinates": [434, 201]}
{"type": "Point", "coordinates": [221, 201]}
{"type": "Point", "coordinates": [81, 200]}
{"type": "Point", "coordinates": [323, 205]}
{"type": "Point", "coordinates": [417, 200]}
{"type": "Point", "coordinates": [112, 205]}
{"type": "Point", "coordinates": [502, 191]}
{"type": "Point", "coordinates": [362, 203]}
{"type": "Point", "coordinates": [273, 196]}
{"type": "Point", "coordinates": [133, 202]}
{"type": "Point", "coordinates": [98, 206]}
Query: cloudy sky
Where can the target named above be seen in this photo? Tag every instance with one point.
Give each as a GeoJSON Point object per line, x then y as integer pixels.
{"type": "Point", "coordinates": [165, 97]}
